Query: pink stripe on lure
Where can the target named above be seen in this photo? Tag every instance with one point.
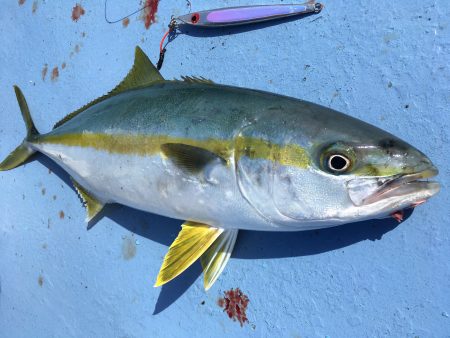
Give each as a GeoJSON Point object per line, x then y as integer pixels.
{"type": "Point", "coordinates": [247, 14]}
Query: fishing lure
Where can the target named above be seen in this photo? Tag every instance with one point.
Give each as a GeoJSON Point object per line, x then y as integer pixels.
{"type": "Point", "coordinates": [235, 16]}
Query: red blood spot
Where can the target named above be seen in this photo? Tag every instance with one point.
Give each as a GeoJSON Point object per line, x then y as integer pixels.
{"type": "Point", "coordinates": [125, 22]}
{"type": "Point", "coordinates": [234, 303]}
{"type": "Point", "coordinates": [77, 12]}
{"type": "Point", "coordinates": [21, 2]}
{"type": "Point", "coordinates": [149, 12]}
{"type": "Point", "coordinates": [398, 215]}
{"type": "Point", "coordinates": [55, 74]}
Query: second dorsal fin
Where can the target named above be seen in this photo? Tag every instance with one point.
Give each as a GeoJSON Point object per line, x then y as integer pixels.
{"type": "Point", "coordinates": [143, 73]}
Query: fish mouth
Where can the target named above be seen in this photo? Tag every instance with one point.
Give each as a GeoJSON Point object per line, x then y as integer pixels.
{"type": "Point", "coordinates": [412, 187]}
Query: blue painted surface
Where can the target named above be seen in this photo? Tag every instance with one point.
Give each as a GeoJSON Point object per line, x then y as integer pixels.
{"type": "Point", "coordinates": [382, 61]}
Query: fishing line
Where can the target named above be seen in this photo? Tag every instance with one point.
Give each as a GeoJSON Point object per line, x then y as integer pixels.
{"type": "Point", "coordinates": [126, 16]}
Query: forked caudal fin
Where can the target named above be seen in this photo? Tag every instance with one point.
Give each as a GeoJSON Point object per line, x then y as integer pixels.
{"type": "Point", "coordinates": [23, 152]}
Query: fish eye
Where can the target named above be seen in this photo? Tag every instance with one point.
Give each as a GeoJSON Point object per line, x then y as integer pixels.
{"type": "Point", "coordinates": [338, 163]}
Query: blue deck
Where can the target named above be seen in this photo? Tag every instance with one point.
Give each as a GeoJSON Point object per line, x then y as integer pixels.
{"type": "Point", "coordinates": [382, 61]}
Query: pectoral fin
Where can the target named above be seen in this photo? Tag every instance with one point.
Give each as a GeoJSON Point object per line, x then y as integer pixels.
{"type": "Point", "coordinates": [192, 241]}
{"type": "Point", "coordinates": [216, 257]}
{"type": "Point", "coordinates": [93, 206]}
{"type": "Point", "coordinates": [190, 159]}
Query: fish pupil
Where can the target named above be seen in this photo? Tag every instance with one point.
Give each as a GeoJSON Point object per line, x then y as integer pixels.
{"type": "Point", "coordinates": [338, 163]}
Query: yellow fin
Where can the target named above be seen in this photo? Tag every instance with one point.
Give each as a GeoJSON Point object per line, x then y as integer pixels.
{"type": "Point", "coordinates": [216, 257]}
{"type": "Point", "coordinates": [192, 241]}
{"type": "Point", "coordinates": [93, 206]}
{"type": "Point", "coordinates": [143, 73]}
{"type": "Point", "coordinates": [194, 79]}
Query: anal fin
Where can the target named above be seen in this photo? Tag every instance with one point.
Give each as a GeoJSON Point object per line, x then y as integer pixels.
{"type": "Point", "coordinates": [216, 257]}
{"type": "Point", "coordinates": [93, 206]}
{"type": "Point", "coordinates": [192, 241]}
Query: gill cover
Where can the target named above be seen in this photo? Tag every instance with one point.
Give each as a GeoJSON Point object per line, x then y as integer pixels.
{"type": "Point", "coordinates": [271, 175]}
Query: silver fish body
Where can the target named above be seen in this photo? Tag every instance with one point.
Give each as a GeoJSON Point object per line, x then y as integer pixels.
{"type": "Point", "coordinates": [226, 158]}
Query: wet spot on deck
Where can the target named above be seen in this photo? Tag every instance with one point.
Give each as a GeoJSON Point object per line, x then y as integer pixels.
{"type": "Point", "coordinates": [149, 13]}
{"type": "Point", "coordinates": [125, 22]}
{"type": "Point", "coordinates": [61, 214]}
{"type": "Point", "coordinates": [44, 72]}
{"type": "Point", "coordinates": [128, 248]}
{"type": "Point", "coordinates": [55, 74]}
{"type": "Point", "coordinates": [77, 12]}
{"type": "Point", "coordinates": [235, 303]}
{"type": "Point", "coordinates": [40, 280]}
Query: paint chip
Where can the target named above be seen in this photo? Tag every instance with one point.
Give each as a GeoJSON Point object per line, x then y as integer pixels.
{"type": "Point", "coordinates": [125, 22]}
{"type": "Point", "coordinates": [55, 73]}
{"type": "Point", "coordinates": [77, 12]}
{"type": "Point", "coordinates": [235, 303]}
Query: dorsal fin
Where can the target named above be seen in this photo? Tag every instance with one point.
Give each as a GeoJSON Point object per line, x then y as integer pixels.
{"type": "Point", "coordinates": [143, 73]}
{"type": "Point", "coordinates": [194, 79]}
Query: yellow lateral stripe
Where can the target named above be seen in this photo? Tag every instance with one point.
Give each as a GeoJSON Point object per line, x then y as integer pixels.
{"type": "Point", "coordinates": [142, 145]}
{"type": "Point", "coordinates": [192, 241]}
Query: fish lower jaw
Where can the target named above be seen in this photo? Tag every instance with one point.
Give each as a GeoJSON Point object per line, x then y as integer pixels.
{"type": "Point", "coordinates": [405, 196]}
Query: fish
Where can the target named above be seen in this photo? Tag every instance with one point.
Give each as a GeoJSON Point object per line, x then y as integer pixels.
{"type": "Point", "coordinates": [222, 159]}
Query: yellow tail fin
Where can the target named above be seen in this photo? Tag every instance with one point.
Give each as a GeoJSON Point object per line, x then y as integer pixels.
{"type": "Point", "coordinates": [23, 152]}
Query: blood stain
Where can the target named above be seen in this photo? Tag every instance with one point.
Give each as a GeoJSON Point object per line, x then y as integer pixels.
{"type": "Point", "coordinates": [149, 12]}
{"type": "Point", "coordinates": [34, 7]}
{"type": "Point", "coordinates": [63, 65]}
{"type": "Point", "coordinates": [55, 73]}
{"type": "Point", "coordinates": [40, 280]}
{"type": "Point", "coordinates": [44, 72]}
{"type": "Point", "coordinates": [128, 248]}
{"type": "Point", "coordinates": [235, 303]}
{"type": "Point", "coordinates": [21, 2]}
{"type": "Point", "coordinates": [61, 214]}
{"type": "Point", "coordinates": [77, 12]}
{"type": "Point", "coordinates": [125, 22]}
